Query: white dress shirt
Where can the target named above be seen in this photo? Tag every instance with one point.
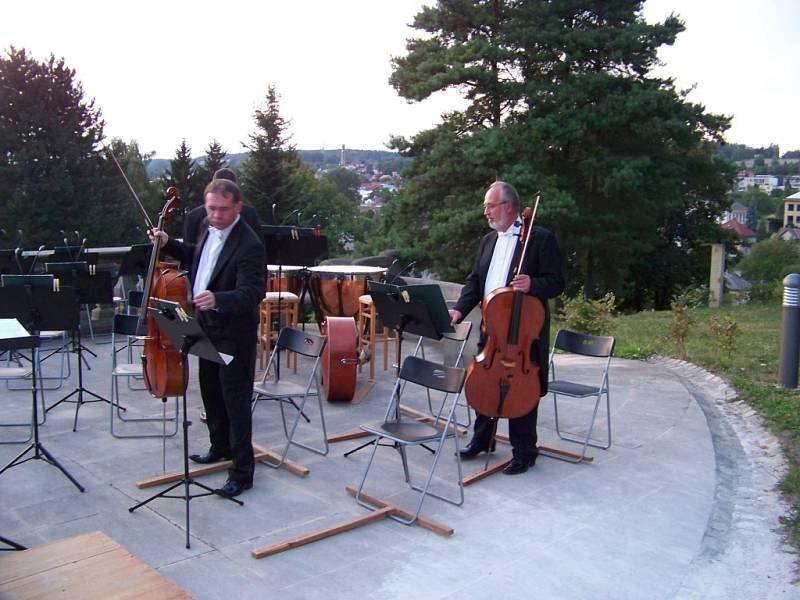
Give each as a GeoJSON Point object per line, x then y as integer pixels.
{"type": "Point", "coordinates": [210, 254]}
{"type": "Point", "coordinates": [501, 258]}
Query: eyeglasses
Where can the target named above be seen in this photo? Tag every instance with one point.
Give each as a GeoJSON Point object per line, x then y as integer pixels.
{"type": "Point", "coordinates": [494, 205]}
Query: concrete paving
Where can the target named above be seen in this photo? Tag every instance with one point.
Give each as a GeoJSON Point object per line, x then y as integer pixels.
{"type": "Point", "coordinates": [683, 505]}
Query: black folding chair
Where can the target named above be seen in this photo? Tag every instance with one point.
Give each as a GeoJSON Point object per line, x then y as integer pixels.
{"type": "Point", "coordinates": [594, 346]}
{"type": "Point", "coordinates": [406, 432]}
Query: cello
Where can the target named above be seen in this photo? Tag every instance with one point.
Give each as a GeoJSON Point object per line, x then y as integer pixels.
{"type": "Point", "coordinates": [161, 361]}
{"type": "Point", "coordinates": [503, 381]}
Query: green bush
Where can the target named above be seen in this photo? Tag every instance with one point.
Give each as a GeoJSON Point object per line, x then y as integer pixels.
{"type": "Point", "coordinates": [769, 292]}
{"type": "Point", "coordinates": [725, 329]}
{"type": "Point", "coordinates": [588, 316]}
{"type": "Point", "coordinates": [681, 324]}
{"type": "Point", "coordinates": [693, 296]}
{"type": "Point", "coordinates": [769, 260]}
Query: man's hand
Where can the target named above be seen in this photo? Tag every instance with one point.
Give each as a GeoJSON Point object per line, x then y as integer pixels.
{"type": "Point", "coordinates": [163, 237]}
{"type": "Point", "coordinates": [455, 317]}
{"type": "Point", "coordinates": [521, 283]}
{"type": "Point", "coordinates": [205, 300]}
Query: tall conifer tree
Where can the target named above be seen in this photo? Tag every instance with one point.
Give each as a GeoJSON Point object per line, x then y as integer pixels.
{"type": "Point", "coordinates": [559, 97]}
{"type": "Point", "coordinates": [50, 170]}
{"type": "Point", "coordinates": [267, 172]}
{"type": "Point", "coordinates": [216, 158]}
{"type": "Point", "coordinates": [182, 174]}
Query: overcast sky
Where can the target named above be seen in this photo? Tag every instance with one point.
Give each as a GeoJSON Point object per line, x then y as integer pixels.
{"type": "Point", "coordinates": [162, 71]}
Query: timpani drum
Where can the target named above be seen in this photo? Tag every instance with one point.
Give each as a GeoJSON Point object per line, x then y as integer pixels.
{"type": "Point", "coordinates": [335, 289]}
{"type": "Point", "coordinates": [284, 278]}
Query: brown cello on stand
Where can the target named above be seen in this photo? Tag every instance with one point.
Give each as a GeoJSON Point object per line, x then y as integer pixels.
{"type": "Point", "coordinates": [161, 360]}
{"type": "Point", "coordinates": [503, 380]}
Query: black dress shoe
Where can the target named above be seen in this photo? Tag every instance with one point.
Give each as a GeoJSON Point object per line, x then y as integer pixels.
{"type": "Point", "coordinates": [207, 458]}
{"type": "Point", "coordinates": [519, 465]}
{"type": "Point", "coordinates": [233, 488]}
{"type": "Point", "coordinates": [472, 450]}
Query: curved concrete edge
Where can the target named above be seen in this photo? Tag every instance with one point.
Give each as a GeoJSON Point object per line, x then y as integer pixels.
{"type": "Point", "coordinates": [744, 552]}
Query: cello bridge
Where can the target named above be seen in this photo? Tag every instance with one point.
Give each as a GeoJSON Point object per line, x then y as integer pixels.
{"type": "Point", "coordinates": [508, 364]}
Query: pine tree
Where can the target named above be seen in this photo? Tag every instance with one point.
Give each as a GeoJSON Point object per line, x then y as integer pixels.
{"type": "Point", "coordinates": [216, 158]}
{"type": "Point", "coordinates": [560, 98]}
{"type": "Point", "coordinates": [182, 174]}
{"type": "Point", "coordinates": [751, 220]}
{"type": "Point", "coordinates": [50, 170]}
{"type": "Point", "coordinates": [267, 172]}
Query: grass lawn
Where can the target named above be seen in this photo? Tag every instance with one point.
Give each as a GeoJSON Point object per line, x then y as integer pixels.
{"type": "Point", "coordinates": [751, 366]}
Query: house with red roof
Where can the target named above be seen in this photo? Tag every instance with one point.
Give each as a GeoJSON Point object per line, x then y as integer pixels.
{"type": "Point", "coordinates": [747, 235]}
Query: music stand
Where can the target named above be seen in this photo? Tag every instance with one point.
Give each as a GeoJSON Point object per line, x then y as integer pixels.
{"type": "Point", "coordinates": [22, 280]}
{"type": "Point", "coordinates": [12, 545]}
{"type": "Point", "coordinates": [185, 333]}
{"type": "Point", "coordinates": [290, 245]}
{"type": "Point", "coordinates": [73, 254]}
{"type": "Point", "coordinates": [417, 309]}
{"type": "Point", "coordinates": [95, 289]}
{"type": "Point", "coordinates": [14, 337]}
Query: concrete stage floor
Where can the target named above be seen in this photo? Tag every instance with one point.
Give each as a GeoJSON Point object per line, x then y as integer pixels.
{"type": "Point", "coordinates": [683, 505]}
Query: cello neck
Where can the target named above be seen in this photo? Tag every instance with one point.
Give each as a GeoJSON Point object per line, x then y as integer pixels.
{"type": "Point", "coordinates": [528, 217]}
{"type": "Point", "coordinates": [172, 198]}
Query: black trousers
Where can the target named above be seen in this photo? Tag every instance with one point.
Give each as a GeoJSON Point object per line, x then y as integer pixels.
{"type": "Point", "coordinates": [521, 431]}
{"type": "Point", "coordinates": [227, 391]}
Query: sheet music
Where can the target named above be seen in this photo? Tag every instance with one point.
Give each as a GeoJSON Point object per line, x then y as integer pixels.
{"type": "Point", "coordinates": [11, 328]}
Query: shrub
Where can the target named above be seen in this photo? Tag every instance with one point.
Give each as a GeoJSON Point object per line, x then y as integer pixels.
{"type": "Point", "coordinates": [681, 324]}
{"type": "Point", "coordinates": [768, 292]}
{"type": "Point", "coordinates": [724, 329]}
{"type": "Point", "coordinates": [693, 296]}
{"type": "Point", "coordinates": [588, 316]}
{"type": "Point", "coordinates": [769, 260]}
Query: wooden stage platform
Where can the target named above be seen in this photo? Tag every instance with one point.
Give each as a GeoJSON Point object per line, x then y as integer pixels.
{"type": "Point", "coordinates": [83, 567]}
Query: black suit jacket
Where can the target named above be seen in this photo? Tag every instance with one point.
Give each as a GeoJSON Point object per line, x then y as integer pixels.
{"type": "Point", "coordinates": [237, 282]}
{"type": "Point", "coordinates": [543, 264]}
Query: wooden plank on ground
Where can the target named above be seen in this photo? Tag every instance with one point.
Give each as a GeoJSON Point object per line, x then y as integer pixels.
{"type": "Point", "coordinates": [348, 435]}
{"type": "Point", "coordinates": [491, 469]}
{"type": "Point", "coordinates": [545, 450]}
{"type": "Point", "coordinates": [362, 391]}
{"type": "Point", "coordinates": [321, 534]}
{"type": "Point", "coordinates": [86, 566]}
{"type": "Point", "coordinates": [401, 512]}
{"type": "Point", "coordinates": [556, 452]}
{"type": "Point", "coordinates": [264, 453]}
{"type": "Point", "coordinates": [260, 453]}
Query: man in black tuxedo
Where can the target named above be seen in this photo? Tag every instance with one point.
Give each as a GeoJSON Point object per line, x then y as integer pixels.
{"type": "Point", "coordinates": [227, 274]}
{"type": "Point", "coordinates": [541, 275]}
{"type": "Point", "coordinates": [195, 221]}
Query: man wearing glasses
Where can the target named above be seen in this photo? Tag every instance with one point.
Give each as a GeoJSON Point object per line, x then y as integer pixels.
{"type": "Point", "coordinates": [541, 275]}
